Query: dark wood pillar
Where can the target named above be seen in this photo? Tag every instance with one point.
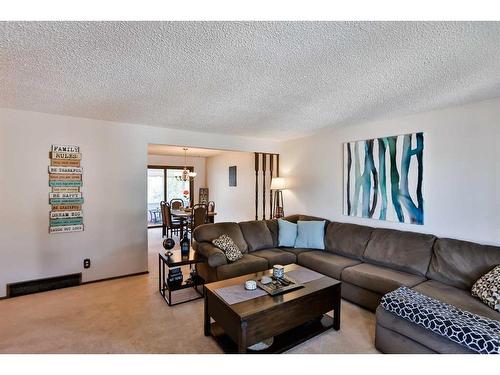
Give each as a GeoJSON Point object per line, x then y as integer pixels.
{"type": "Point", "coordinates": [264, 186]}
{"type": "Point", "coordinates": [256, 185]}
{"type": "Point", "coordinates": [271, 162]}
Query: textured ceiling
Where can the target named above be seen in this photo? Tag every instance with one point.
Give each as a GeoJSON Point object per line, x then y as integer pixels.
{"type": "Point", "coordinates": [178, 151]}
{"type": "Point", "coordinates": [263, 79]}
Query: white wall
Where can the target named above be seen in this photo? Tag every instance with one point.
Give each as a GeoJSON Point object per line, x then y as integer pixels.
{"type": "Point", "coordinates": [461, 171]}
{"type": "Point", "coordinates": [198, 163]}
{"type": "Point", "coordinates": [114, 162]}
{"type": "Point", "coordinates": [232, 203]}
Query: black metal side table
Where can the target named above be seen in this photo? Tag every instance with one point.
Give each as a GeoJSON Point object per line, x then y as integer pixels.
{"type": "Point", "coordinates": [177, 260]}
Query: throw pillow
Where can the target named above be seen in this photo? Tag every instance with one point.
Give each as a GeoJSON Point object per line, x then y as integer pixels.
{"type": "Point", "coordinates": [487, 288]}
{"type": "Point", "coordinates": [310, 234]}
{"type": "Point", "coordinates": [287, 233]}
{"type": "Point", "coordinates": [227, 245]}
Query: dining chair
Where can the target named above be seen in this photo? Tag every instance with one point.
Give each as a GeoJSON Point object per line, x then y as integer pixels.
{"type": "Point", "coordinates": [198, 216]}
{"type": "Point", "coordinates": [176, 203]}
{"type": "Point", "coordinates": [210, 210]}
{"type": "Point", "coordinates": [168, 224]}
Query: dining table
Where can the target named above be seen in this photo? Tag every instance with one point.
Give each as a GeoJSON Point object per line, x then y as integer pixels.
{"type": "Point", "coordinates": [184, 214]}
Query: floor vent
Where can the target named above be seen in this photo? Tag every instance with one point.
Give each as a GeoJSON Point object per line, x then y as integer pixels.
{"type": "Point", "coordinates": [42, 285]}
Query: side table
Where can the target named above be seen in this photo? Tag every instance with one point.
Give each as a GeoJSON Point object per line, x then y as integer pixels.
{"type": "Point", "coordinates": [177, 260]}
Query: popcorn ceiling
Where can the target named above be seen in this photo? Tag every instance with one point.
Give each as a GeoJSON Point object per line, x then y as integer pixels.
{"type": "Point", "coordinates": [260, 79]}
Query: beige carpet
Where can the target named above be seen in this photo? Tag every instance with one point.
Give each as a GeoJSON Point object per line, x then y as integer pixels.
{"type": "Point", "coordinates": [129, 316]}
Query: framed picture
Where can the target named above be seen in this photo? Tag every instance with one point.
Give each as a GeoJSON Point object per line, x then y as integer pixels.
{"type": "Point", "coordinates": [203, 196]}
{"type": "Point", "coordinates": [232, 175]}
{"type": "Point", "coordinates": [383, 178]}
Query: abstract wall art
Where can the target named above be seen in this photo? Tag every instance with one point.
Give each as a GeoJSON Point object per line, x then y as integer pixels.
{"type": "Point", "coordinates": [383, 178]}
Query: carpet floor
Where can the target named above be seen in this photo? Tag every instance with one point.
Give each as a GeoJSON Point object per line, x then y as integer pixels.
{"type": "Point", "coordinates": [128, 315]}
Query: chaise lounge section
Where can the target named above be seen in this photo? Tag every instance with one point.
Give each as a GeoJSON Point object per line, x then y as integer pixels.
{"type": "Point", "coordinates": [370, 262]}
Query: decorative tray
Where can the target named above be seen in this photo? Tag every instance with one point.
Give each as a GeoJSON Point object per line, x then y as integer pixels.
{"type": "Point", "coordinates": [279, 285]}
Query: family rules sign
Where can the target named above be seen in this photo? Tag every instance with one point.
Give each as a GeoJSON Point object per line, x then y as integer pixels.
{"type": "Point", "coordinates": [65, 195]}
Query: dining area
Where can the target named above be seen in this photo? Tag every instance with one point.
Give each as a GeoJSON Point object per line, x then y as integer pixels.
{"type": "Point", "coordinates": [178, 219]}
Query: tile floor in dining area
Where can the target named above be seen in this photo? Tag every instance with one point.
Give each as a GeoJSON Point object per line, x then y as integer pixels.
{"type": "Point", "coordinates": [128, 315]}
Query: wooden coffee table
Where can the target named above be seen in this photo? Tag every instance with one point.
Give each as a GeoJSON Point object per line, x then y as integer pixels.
{"type": "Point", "coordinates": [291, 318]}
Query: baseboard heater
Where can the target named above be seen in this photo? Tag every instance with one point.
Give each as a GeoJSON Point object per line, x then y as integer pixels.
{"type": "Point", "coordinates": [43, 285]}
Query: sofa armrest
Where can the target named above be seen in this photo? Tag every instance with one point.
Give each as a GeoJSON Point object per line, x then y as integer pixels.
{"type": "Point", "coordinates": [214, 255]}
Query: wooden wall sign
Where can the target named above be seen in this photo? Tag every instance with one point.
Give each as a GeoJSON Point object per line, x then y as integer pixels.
{"type": "Point", "coordinates": [65, 148]}
{"type": "Point", "coordinates": [64, 214]}
{"type": "Point", "coordinates": [66, 229]}
{"type": "Point", "coordinates": [65, 177]}
{"type": "Point", "coordinates": [66, 207]}
{"type": "Point", "coordinates": [65, 197]}
{"type": "Point", "coordinates": [65, 183]}
{"type": "Point", "coordinates": [65, 155]}
{"type": "Point", "coordinates": [65, 189]}
{"type": "Point", "coordinates": [66, 170]}
{"type": "Point", "coordinates": [66, 221]}
{"type": "Point", "coordinates": [64, 163]}
{"type": "Point", "coordinates": [66, 201]}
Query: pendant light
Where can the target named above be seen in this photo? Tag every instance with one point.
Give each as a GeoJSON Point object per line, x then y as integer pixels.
{"type": "Point", "coordinates": [186, 174]}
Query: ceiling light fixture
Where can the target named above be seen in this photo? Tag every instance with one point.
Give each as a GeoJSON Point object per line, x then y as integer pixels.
{"type": "Point", "coordinates": [186, 174]}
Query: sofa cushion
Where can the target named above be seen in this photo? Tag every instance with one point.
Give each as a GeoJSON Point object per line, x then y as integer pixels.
{"type": "Point", "coordinates": [272, 225]}
{"type": "Point", "coordinates": [296, 250]}
{"type": "Point", "coordinates": [310, 234]}
{"type": "Point", "coordinates": [487, 289]}
{"type": "Point", "coordinates": [209, 232]}
{"type": "Point", "coordinates": [347, 239]}
{"type": "Point", "coordinates": [326, 263]}
{"type": "Point", "coordinates": [248, 264]}
{"type": "Point", "coordinates": [456, 297]}
{"type": "Point", "coordinates": [256, 234]}
{"type": "Point", "coordinates": [287, 233]}
{"type": "Point", "coordinates": [276, 256]}
{"type": "Point", "coordinates": [404, 251]}
{"type": "Point", "coordinates": [461, 263]}
{"type": "Point", "coordinates": [379, 279]}
{"type": "Point", "coordinates": [227, 245]}
{"type": "Point", "coordinates": [409, 333]}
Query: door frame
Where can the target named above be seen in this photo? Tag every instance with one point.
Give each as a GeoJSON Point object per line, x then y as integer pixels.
{"type": "Point", "coordinates": [191, 184]}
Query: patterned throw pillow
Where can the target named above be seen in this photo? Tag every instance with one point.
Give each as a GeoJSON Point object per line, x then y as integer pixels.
{"type": "Point", "coordinates": [226, 244]}
{"type": "Point", "coordinates": [487, 288]}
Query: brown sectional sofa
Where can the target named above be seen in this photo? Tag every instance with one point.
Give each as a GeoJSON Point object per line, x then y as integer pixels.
{"type": "Point", "coordinates": [370, 262]}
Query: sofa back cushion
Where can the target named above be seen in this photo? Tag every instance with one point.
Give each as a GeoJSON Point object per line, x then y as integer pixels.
{"type": "Point", "coordinates": [292, 218]}
{"type": "Point", "coordinates": [347, 239]}
{"type": "Point", "coordinates": [209, 232]}
{"type": "Point", "coordinates": [461, 263]}
{"type": "Point", "coordinates": [257, 235]}
{"type": "Point", "coordinates": [404, 251]}
{"type": "Point", "coordinates": [295, 218]}
{"type": "Point", "coordinates": [272, 225]}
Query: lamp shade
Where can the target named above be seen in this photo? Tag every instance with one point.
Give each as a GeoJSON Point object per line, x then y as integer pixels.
{"type": "Point", "coordinates": [278, 183]}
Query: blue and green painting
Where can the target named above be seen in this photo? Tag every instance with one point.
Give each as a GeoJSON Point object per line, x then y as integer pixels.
{"type": "Point", "coordinates": [383, 178]}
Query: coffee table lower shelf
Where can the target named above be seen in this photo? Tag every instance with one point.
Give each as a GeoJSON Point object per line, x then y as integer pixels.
{"type": "Point", "coordinates": [282, 342]}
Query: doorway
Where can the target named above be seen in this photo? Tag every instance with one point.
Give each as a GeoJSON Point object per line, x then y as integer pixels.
{"type": "Point", "coordinates": [164, 184]}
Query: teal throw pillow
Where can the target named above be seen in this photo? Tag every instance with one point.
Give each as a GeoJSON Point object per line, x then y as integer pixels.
{"type": "Point", "coordinates": [287, 233]}
{"type": "Point", "coordinates": [310, 235]}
